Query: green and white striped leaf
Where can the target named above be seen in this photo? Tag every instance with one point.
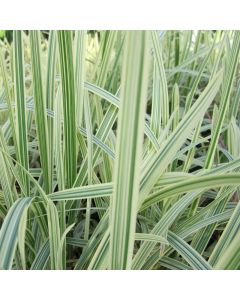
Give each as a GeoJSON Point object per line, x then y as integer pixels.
{"type": "Point", "coordinates": [126, 184]}
{"type": "Point", "coordinates": [9, 232]}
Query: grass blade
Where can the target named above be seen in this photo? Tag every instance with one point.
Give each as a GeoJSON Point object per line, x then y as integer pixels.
{"type": "Point", "coordinates": [69, 106]}
{"type": "Point", "coordinates": [123, 207]}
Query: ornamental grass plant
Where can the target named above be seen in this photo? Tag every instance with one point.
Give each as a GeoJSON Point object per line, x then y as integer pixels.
{"type": "Point", "coordinates": [120, 150]}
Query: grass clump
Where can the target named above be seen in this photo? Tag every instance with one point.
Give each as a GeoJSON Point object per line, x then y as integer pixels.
{"type": "Point", "coordinates": [119, 150]}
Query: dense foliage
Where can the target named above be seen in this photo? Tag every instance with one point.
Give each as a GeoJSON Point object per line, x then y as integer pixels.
{"type": "Point", "coordinates": [119, 150]}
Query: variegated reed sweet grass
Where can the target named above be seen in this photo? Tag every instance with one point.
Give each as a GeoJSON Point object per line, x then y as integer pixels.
{"type": "Point", "coordinates": [120, 150]}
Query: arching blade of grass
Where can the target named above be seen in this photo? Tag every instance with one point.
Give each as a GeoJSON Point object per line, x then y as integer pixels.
{"type": "Point", "coordinates": [202, 182]}
{"type": "Point", "coordinates": [222, 217]}
{"type": "Point", "coordinates": [123, 207]}
{"type": "Point", "coordinates": [9, 232]}
{"type": "Point", "coordinates": [89, 191]}
{"type": "Point", "coordinates": [188, 253]}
